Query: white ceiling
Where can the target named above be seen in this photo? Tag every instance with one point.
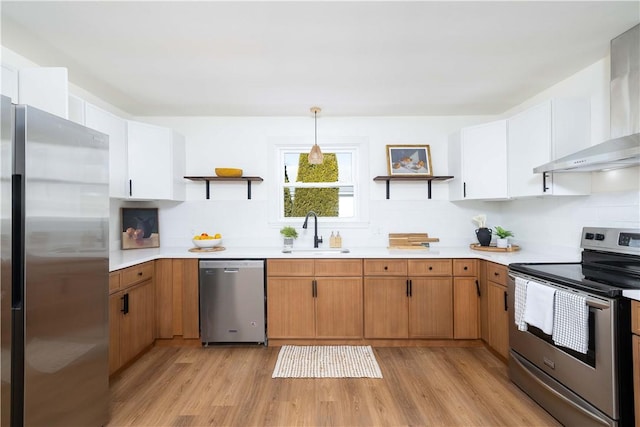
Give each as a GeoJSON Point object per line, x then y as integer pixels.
{"type": "Point", "coordinates": [351, 58]}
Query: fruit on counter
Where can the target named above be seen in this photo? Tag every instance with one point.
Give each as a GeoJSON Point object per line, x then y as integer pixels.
{"type": "Point", "coordinates": [205, 236]}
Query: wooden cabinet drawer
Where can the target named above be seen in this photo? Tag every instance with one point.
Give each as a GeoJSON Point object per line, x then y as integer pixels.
{"type": "Point", "coordinates": [114, 281]}
{"type": "Point", "coordinates": [385, 267]}
{"type": "Point", "coordinates": [338, 267]}
{"type": "Point", "coordinates": [635, 317]}
{"type": "Point", "coordinates": [465, 267]}
{"type": "Point", "coordinates": [497, 273]}
{"type": "Point", "coordinates": [290, 267]}
{"type": "Point", "coordinates": [429, 267]}
{"type": "Point", "coordinates": [136, 274]}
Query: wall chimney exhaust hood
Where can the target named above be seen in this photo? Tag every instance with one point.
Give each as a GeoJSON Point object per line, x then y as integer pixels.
{"type": "Point", "coordinates": [623, 149]}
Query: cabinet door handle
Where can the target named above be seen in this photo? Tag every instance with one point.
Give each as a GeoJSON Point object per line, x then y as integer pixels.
{"type": "Point", "coordinates": [407, 288]}
{"type": "Point", "coordinates": [313, 289]}
{"type": "Point", "coordinates": [506, 307]}
{"type": "Point", "coordinates": [125, 304]}
{"type": "Point", "coordinates": [410, 288]}
{"type": "Point", "coordinates": [130, 188]}
{"type": "Point", "coordinates": [464, 189]}
{"type": "Point", "coordinates": [544, 182]}
{"type": "Point", "coordinates": [478, 288]}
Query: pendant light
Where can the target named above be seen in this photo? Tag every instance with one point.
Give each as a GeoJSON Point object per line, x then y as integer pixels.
{"type": "Point", "coordinates": [315, 156]}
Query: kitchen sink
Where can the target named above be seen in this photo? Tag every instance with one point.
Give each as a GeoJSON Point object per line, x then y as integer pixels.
{"type": "Point", "coordinates": [317, 251]}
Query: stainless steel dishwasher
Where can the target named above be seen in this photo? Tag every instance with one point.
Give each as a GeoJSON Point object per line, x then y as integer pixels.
{"type": "Point", "coordinates": [232, 301]}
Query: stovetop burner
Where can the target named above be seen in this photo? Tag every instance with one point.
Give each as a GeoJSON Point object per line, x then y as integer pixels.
{"type": "Point", "coordinates": [610, 263]}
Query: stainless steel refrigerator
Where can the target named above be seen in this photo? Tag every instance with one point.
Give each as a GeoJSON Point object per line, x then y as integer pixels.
{"type": "Point", "coordinates": [54, 270]}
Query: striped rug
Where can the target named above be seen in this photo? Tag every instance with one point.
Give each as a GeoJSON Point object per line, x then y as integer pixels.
{"type": "Point", "coordinates": [331, 361]}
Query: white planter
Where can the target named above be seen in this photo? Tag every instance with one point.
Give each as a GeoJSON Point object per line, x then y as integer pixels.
{"type": "Point", "coordinates": [288, 243]}
{"type": "Point", "coordinates": [502, 243]}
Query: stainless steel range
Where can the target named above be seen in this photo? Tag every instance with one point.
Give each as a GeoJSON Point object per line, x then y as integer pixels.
{"type": "Point", "coordinates": [570, 330]}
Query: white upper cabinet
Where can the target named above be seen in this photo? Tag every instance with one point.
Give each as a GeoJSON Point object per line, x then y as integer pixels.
{"type": "Point", "coordinates": [478, 162]}
{"type": "Point", "coordinates": [76, 110]}
{"type": "Point", "coordinates": [116, 128]}
{"type": "Point", "coordinates": [156, 163]}
{"type": "Point", "coordinates": [45, 88]}
{"type": "Point", "coordinates": [543, 133]}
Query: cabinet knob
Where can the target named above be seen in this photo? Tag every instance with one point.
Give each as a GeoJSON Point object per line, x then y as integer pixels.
{"type": "Point", "coordinates": [495, 273]}
{"type": "Point", "coordinates": [386, 268]}
{"type": "Point", "coordinates": [430, 268]}
{"type": "Point", "coordinates": [465, 268]}
{"type": "Point", "coordinates": [139, 273]}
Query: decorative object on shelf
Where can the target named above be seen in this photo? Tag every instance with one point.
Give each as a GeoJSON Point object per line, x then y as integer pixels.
{"type": "Point", "coordinates": [139, 228]}
{"type": "Point", "coordinates": [229, 172]}
{"type": "Point", "coordinates": [478, 247]}
{"type": "Point", "coordinates": [503, 236]}
{"type": "Point", "coordinates": [315, 156]}
{"type": "Point", "coordinates": [483, 233]}
{"type": "Point", "coordinates": [289, 234]}
{"type": "Point", "coordinates": [409, 160]}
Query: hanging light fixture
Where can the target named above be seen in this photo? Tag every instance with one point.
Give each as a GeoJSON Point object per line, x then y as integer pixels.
{"type": "Point", "coordinates": [315, 155]}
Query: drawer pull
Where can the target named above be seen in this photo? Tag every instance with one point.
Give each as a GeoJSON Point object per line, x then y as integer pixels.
{"type": "Point", "coordinates": [495, 273]}
{"type": "Point", "coordinates": [465, 268]}
{"type": "Point", "coordinates": [430, 268]}
{"type": "Point", "coordinates": [139, 273]}
{"type": "Point", "coordinates": [386, 268]}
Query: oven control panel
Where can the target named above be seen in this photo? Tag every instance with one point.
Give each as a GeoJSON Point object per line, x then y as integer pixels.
{"type": "Point", "coordinates": [621, 240]}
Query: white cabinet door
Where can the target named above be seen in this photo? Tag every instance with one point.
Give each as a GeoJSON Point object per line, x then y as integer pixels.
{"type": "Point", "coordinates": [478, 162]}
{"type": "Point", "coordinates": [116, 128]}
{"type": "Point", "coordinates": [543, 133]}
{"type": "Point", "coordinates": [155, 162]}
{"type": "Point", "coordinates": [76, 110]}
{"type": "Point", "coordinates": [484, 161]}
{"type": "Point", "coordinates": [46, 88]}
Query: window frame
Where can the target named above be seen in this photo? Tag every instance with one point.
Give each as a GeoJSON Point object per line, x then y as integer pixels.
{"type": "Point", "coordinates": [359, 157]}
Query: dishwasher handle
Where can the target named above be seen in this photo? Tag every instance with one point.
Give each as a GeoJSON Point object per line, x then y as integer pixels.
{"type": "Point", "coordinates": [231, 270]}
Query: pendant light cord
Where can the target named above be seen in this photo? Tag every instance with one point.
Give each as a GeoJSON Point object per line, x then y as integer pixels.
{"type": "Point", "coordinates": [315, 126]}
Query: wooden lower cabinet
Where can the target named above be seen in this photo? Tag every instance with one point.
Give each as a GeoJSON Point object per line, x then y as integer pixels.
{"type": "Point", "coordinates": [431, 307]}
{"type": "Point", "coordinates": [466, 308]}
{"type": "Point", "coordinates": [131, 314]}
{"type": "Point", "coordinates": [177, 312]}
{"type": "Point", "coordinates": [319, 305]}
{"type": "Point", "coordinates": [497, 318]}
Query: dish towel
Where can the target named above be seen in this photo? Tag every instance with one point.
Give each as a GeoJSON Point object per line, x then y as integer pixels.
{"type": "Point", "coordinates": [539, 308]}
{"type": "Point", "coordinates": [571, 321]}
{"type": "Point", "coordinates": [520, 303]}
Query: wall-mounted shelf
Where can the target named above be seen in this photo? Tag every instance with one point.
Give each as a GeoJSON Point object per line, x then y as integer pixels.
{"type": "Point", "coordinates": [208, 179]}
{"type": "Point", "coordinates": [429, 179]}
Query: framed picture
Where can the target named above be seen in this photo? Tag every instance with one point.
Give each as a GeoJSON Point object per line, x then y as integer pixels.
{"type": "Point", "coordinates": [409, 160]}
{"type": "Point", "coordinates": [139, 228]}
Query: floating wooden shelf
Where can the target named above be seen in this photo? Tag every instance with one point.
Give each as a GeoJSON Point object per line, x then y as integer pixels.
{"type": "Point", "coordinates": [208, 179]}
{"type": "Point", "coordinates": [388, 179]}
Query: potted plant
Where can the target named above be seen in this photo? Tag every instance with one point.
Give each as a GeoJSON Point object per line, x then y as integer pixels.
{"type": "Point", "coordinates": [289, 234]}
{"type": "Point", "coordinates": [503, 236]}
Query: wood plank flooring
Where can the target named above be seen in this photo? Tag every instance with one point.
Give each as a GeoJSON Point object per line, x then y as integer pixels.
{"type": "Point", "coordinates": [232, 386]}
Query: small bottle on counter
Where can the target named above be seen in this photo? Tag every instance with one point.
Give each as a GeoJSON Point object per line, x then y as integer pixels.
{"type": "Point", "coordinates": [338, 240]}
{"type": "Point", "coordinates": [332, 240]}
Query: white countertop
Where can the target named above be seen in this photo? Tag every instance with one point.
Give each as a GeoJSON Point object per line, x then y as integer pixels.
{"type": "Point", "coordinates": [121, 259]}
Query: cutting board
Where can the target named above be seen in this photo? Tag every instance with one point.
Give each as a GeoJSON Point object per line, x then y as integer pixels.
{"type": "Point", "coordinates": [410, 240]}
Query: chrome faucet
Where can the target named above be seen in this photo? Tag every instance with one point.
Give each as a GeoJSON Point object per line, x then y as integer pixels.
{"type": "Point", "coordinates": [316, 239]}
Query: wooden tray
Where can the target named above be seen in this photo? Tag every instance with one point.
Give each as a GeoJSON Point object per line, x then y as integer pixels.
{"type": "Point", "coordinates": [214, 249]}
{"type": "Point", "coordinates": [477, 247]}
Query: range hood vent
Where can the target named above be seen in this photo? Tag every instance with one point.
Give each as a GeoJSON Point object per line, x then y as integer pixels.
{"type": "Point", "coordinates": [623, 149]}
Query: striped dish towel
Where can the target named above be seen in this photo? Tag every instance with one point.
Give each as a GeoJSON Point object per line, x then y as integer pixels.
{"type": "Point", "coordinates": [571, 321]}
{"type": "Point", "coordinates": [520, 303]}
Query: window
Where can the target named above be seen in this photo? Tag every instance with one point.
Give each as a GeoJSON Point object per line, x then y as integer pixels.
{"type": "Point", "coordinates": [329, 189]}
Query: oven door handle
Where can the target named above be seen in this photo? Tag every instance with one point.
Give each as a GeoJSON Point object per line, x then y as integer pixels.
{"type": "Point", "coordinates": [555, 393]}
{"type": "Point", "coordinates": [590, 301]}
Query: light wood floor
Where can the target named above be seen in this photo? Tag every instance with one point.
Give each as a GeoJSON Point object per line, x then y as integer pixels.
{"type": "Point", "coordinates": [222, 386]}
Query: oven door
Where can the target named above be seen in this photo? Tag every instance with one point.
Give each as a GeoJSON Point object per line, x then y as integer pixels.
{"type": "Point", "coordinates": [588, 381]}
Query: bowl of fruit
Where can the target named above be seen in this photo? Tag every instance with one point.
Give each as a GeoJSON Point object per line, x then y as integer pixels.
{"type": "Point", "coordinates": [206, 241]}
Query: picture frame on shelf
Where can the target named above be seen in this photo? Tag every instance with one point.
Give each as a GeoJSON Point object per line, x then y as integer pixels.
{"type": "Point", "coordinates": [409, 160]}
{"type": "Point", "coordinates": [140, 228]}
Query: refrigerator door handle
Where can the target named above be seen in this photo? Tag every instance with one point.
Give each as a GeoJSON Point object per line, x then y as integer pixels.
{"type": "Point", "coordinates": [17, 256]}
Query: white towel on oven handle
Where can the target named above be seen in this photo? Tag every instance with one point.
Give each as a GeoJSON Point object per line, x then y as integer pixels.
{"type": "Point", "coordinates": [539, 307]}
{"type": "Point", "coordinates": [571, 321]}
{"type": "Point", "coordinates": [520, 303]}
